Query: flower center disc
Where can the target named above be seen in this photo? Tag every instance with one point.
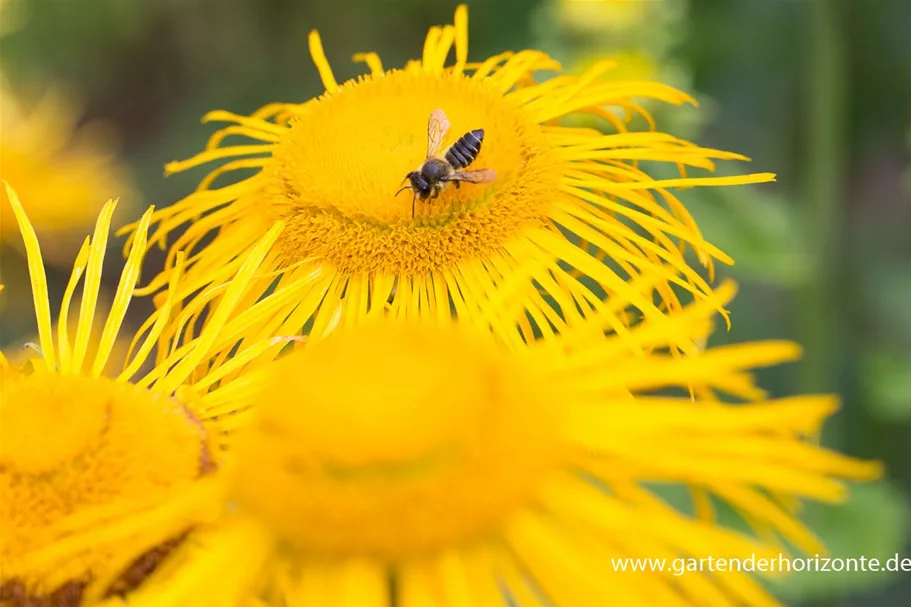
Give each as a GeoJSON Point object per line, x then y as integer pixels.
{"type": "Point", "coordinates": [334, 177]}
{"type": "Point", "coordinates": [391, 441]}
{"type": "Point", "coordinates": [46, 425]}
{"type": "Point", "coordinates": [73, 443]}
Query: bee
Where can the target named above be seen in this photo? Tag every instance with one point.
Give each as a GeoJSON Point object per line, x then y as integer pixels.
{"type": "Point", "coordinates": [429, 179]}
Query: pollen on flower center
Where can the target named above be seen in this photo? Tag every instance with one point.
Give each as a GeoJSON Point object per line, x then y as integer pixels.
{"type": "Point", "coordinates": [72, 445]}
{"type": "Point", "coordinates": [390, 442]}
{"type": "Point", "coordinates": [65, 419]}
{"type": "Point", "coordinates": [334, 176]}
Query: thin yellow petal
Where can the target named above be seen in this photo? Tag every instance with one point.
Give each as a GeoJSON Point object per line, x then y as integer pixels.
{"type": "Point", "coordinates": [519, 584]}
{"type": "Point", "coordinates": [461, 38]}
{"type": "Point", "coordinates": [62, 323]}
{"type": "Point", "coordinates": [364, 584]}
{"type": "Point", "coordinates": [431, 42]}
{"type": "Point", "coordinates": [373, 61]}
{"type": "Point", "coordinates": [239, 284]}
{"type": "Point", "coordinates": [251, 122]}
{"type": "Point", "coordinates": [177, 166]}
{"type": "Point", "coordinates": [454, 581]}
{"type": "Point", "coordinates": [560, 569]}
{"type": "Point", "coordinates": [478, 566]}
{"type": "Point", "coordinates": [92, 284]}
{"type": "Point", "coordinates": [237, 361]}
{"type": "Point", "coordinates": [124, 293]}
{"type": "Point", "coordinates": [234, 554]}
{"type": "Point", "coordinates": [322, 65]}
{"type": "Point", "coordinates": [163, 316]}
{"type": "Point", "coordinates": [236, 130]}
{"type": "Point", "coordinates": [753, 501]}
{"type": "Point", "coordinates": [418, 587]}
{"type": "Point", "coordinates": [38, 280]}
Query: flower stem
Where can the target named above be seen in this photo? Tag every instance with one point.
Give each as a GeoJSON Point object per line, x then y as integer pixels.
{"type": "Point", "coordinates": [818, 302]}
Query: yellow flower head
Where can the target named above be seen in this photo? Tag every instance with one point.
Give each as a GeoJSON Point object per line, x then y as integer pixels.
{"type": "Point", "coordinates": [59, 169]}
{"type": "Point", "coordinates": [330, 168]}
{"type": "Point", "coordinates": [82, 452]}
{"type": "Point", "coordinates": [602, 16]}
{"type": "Point", "coordinates": [414, 463]}
{"type": "Point", "coordinates": [13, 16]}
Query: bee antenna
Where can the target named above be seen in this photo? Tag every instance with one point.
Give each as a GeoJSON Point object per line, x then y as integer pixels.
{"type": "Point", "coordinates": [402, 190]}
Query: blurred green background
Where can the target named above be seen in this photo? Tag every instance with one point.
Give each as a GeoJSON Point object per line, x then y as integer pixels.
{"type": "Point", "coordinates": [818, 92]}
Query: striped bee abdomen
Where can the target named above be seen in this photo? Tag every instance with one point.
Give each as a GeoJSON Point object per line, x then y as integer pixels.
{"type": "Point", "coordinates": [463, 152]}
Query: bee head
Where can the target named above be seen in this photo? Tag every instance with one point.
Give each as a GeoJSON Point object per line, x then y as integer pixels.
{"type": "Point", "coordinates": [419, 184]}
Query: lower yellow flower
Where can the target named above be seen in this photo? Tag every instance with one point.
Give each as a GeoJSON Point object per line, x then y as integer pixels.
{"type": "Point", "coordinates": [83, 455]}
{"type": "Point", "coordinates": [416, 464]}
{"type": "Point", "coordinates": [76, 446]}
{"type": "Point", "coordinates": [61, 171]}
{"type": "Point", "coordinates": [330, 167]}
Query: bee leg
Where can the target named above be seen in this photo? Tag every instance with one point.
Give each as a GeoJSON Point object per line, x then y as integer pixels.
{"type": "Point", "coordinates": [413, 199]}
{"type": "Point", "coordinates": [457, 184]}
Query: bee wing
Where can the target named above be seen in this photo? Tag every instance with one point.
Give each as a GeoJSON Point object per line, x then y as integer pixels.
{"type": "Point", "coordinates": [437, 127]}
{"type": "Point", "coordinates": [479, 176]}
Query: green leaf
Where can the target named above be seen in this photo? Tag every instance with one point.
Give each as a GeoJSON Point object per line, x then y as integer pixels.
{"type": "Point", "coordinates": [874, 523]}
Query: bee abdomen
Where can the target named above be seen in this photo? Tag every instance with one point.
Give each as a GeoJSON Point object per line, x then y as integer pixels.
{"type": "Point", "coordinates": [464, 151]}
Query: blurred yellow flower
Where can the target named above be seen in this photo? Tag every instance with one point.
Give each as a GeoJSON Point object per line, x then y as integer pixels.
{"type": "Point", "coordinates": [329, 168]}
{"type": "Point", "coordinates": [84, 452]}
{"type": "Point", "coordinates": [603, 15]}
{"type": "Point", "coordinates": [641, 36]}
{"type": "Point", "coordinates": [13, 15]}
{"type": "Point", "coordinates": [631, 64]}
{"type": "Point", "coordinates": [60, 169]}
{"type": "Point", "coordinates": [414, 463]}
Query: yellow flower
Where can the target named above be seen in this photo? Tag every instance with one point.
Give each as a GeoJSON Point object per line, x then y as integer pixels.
{"type": "Point", "coordinates": [83, 452]}
{"type": "Point", "coordinates": [414, 463]}
{"type": "Point", "coordinates": [60, 170]}
{"type": "Point", "coordinates": [329, 168]}
{"type": "Point", "coordinates": [600, 16]}
{"type": "Point", "coordinates": [632, 64]}
{"type": "Point", "coordinates": [13, 15]}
